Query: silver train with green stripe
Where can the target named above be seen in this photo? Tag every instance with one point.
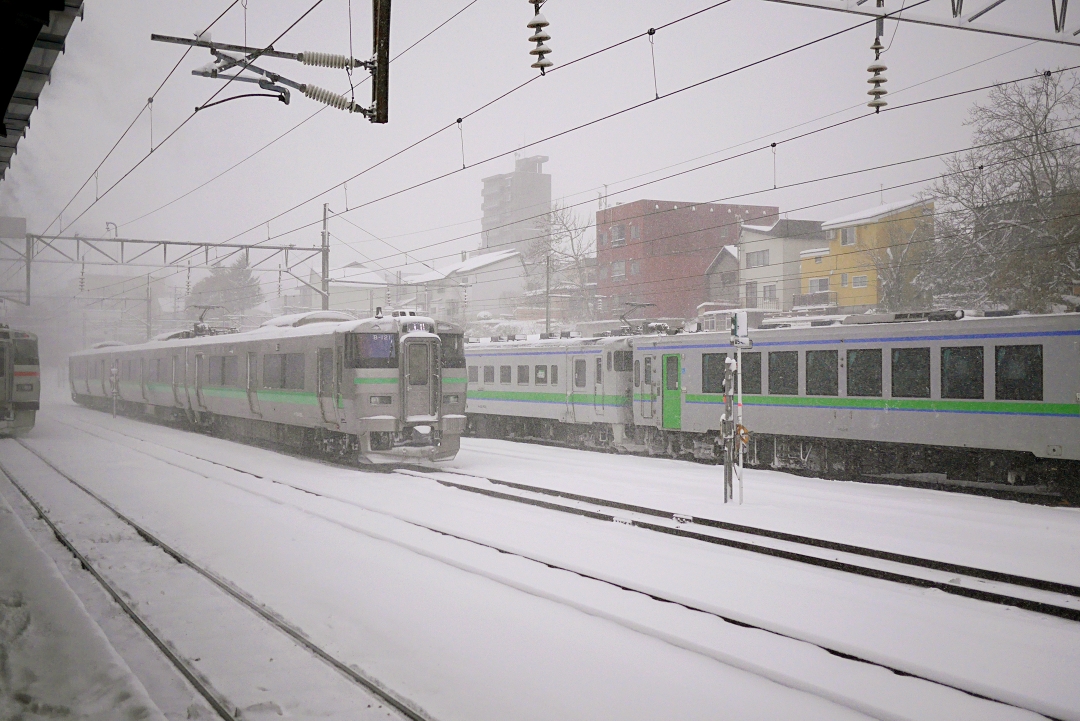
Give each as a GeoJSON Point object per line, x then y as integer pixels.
{"type": "Point", "coordinates": [992, 400]}
{"type": "Point", "coordinates": [383, 390]}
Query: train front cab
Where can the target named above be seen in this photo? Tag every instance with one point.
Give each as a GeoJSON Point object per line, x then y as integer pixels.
{"type": "Point", "coordinates": [20, 382]}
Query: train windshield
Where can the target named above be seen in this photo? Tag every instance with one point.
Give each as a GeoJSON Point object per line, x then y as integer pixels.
{"type": "Point", "coordinates": [26, 353]}
{"type": "Point", "coordinates": [371, 350]}
{"type": "Point", "coordinates": [453, 350]}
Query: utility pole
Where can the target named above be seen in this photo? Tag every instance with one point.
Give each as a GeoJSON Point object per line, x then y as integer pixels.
{"type": "Point", "coordinates": [325, 259]}
{"type": "Point", "coordinates": [547, 298]}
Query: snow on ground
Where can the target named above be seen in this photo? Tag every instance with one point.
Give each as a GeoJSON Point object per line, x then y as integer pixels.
{"type": "Point", "coordinates": [468, 632]}
{"type": "Point", "coordinates": [1008, 536]}
{"type": "Point", "coordinates": [54, 660]}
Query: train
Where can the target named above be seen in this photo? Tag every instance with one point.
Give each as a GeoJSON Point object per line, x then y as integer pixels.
{"type": "Point", "coordinates": [980, 400]}
{"type": "Point", "coordinates": [20, 381]}
{"type": "Point", "coordinates": [383, 390]}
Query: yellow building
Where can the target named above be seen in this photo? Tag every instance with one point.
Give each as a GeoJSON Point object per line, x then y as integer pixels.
{"type": "Point", "coordinates": [870, 259]}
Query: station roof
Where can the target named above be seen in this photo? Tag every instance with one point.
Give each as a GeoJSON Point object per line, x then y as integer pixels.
{"type": "Point", "coordinates": [32, 36]}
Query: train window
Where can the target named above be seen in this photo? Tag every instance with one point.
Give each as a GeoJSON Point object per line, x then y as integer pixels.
{"type": "Point", "coordinates": [506, 374]}
{"type": "Point", "coordinates": [216, 371]}
{"type": "Point", "coordinates": [784, 372]}
{"type": "Point", "coordinates": [671, 372]}
{"type": "Point", "coordinates": [523, 375]}
{"type": "Point", "coordinates": [452, 353]}
{"type": "Point", "coordinates": [637, 373]}
{"type": "Point", "coordinates": [95, 370]}
{"type": "Point", "coordinates": [554, 375]}
{"type": "Point", "coordinates": [624, 361]}
{"type": "Point", "coordinates": [609, 360]}
{"type": "Point", "coordinates": [712, 372]}
{"type": "Point", "coordinates": [962, 372]}
{"type": "Point", "coordinates": [283, 370]}
{"type": "Point", "coordinates": [751, 373]}
{"type": "Point", "coordinates": [26, 352]}
{"type": "Point", "coordinates": [489, 374]}
{"type": "Point", "coordinates": [1018, 373]}
{"type": "Point", "coordinates": [231, 372]}
{"type": "Point", "coordinates": [419, 365]}
{"type": "Point", "coordinates": [599, 370]}
{"type": "Point", "coordinates": [3, 360]}
{"type": "Point", "coordinates": [579, 373]}
{"type": "Point", "coordinates": [648, 371]}
{"type": "Point", "coordinates": [540, 375]}
{"type": "Point", "coordinates": [911, 372]}
{"type": "Point", "coordinates": [371, 350]}
{"type": "Point", "coordinates": [822, 376]}
{"type": "Point", "coordinates": [474, 374]}
{"type": "Point", "coordinates": [325, 358]}
{"type": "Point", "coordinates": [864, 372]}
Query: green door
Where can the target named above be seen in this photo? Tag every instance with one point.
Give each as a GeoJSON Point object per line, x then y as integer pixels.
{"type": "Point", "coordinates": [672, 398]}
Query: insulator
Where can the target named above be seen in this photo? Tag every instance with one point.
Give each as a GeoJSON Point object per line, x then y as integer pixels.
{"type": "Point", "coordinates": [325, 96]}
{"type": "Point", "coordinates": [540, 37]}
{"type": "Point", "coordinates": [877, 92]}
{"type": "Point", "coordinates": [877, 46]}
{"type": "Point", "coordinates": [540, 50]}
{"type": "Point", "coordinates": [538, 21]}
{"type": "Point", "coordinates": [542, 63]}
{"type": "Point", "coordinates": [877, 79]}
{"type": "Point", "coordinates": [876, 104]}
{"type": "Point", "coordinates": [877, 68]}
{"type": "Point", "coordinates": [327, 60]}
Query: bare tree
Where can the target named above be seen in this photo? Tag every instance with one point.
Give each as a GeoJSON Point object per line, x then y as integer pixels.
{"type": "Point", "coordinates": [899, 260]}
{"type": "Point", "coordinates": [1008, 229]}
{"type": "Point", "coordinates": [563, 235]}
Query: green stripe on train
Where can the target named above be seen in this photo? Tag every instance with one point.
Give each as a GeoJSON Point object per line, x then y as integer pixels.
{"type": "Point", "coordinates": [901, 404]}
{"type": "Point", "coordinates": [361, 381]}
{"type": "Point", "coordinates": [576, 398]}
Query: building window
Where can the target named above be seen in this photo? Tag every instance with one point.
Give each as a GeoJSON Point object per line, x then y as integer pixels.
{"type": "Point", "coordinates": [489, 374]}
{"type": "Point", "coordinates": [847, 236]}
{"type": "Point", "coordinates": [768, 292]}
{"type": "Point", "coordinates": [783, 373]}
{"type": "Point", "coordinates": [817, 259]}
{"type": "Point", "coordinates": [757, 259]}
{"type": "Point", "coordinates": [1018, 373]}
{"type": "Point", "coordinates": [635, 232]}
{"type": "Point", "coordinates": [843, 280]}
{"type": "Point", "coordinates": [911, 372]}
{"type": "Point", "coordinates": [601, 240]}
{"type": "Point", "coordinates": [523, 375]}
{"type": "Point", "coordinates": [750, 301]}
{"type": "Point", "coordinates": [618, 270]}
{"type": "Point", "coordinates": [962, 372]}
{"type": "Point", "coordinates": [618, 235]}
{"type": "Point", "coordinates": [859, 281]}
{"type": "Point", "coordinates": [729, 278]}
{"type": "Point", "coordinates": [635, 267]}
{"type": "Point", "coordinates": [822, 377]}
{"type": "Point", "coordinates": [818, 285]}
{"type": "Point", "coordinates": [830, 235]}
{"type": "Point", "coordinates": [505, 374]}
{"type": "Point", "coordinates": [864, 372]}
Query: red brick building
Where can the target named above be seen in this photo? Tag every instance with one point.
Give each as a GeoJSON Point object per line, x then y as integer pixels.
{"type": "Point", "coordinates": [657, 251]}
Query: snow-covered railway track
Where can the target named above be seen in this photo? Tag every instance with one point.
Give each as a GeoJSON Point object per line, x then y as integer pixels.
{"type": "Point", "coordinates": [504, 550]}
{"type": "Point", "coordinates": [215, 698]}
{"type": "Point", "coordinates": [1033, 594]}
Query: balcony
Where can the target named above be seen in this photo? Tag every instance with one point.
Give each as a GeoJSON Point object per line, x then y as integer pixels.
{"type": "Point", "coordinates": [822, 299]}
{"type": "Point", "coordinates": [763, 303]}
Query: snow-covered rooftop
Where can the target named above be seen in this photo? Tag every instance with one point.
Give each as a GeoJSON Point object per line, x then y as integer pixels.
{"type": "Point", "coordinates": [814, 252]}
{"type": "Point", "coordinates": [871, 214]}
{"type": "Point", "coordinates": [465, 266]}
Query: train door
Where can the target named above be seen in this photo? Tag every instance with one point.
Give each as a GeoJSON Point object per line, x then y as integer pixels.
{"type": "Point", "coordinates": [325, 386]}
{"type": "Point", "coordinates": [421, 387]}
{"type": "Point", "coordinates": [672, 393]}
{"type": "Point", "coordinates": [142, 379]}
{"type": "Point", "coordinates": [200, 371]}
{"type": "Point", "coordinates": [252, 384]}
{"type": "Point", "coordinates": [648, 387]}
{"type": "Point", "coordinates": [598, 385]}
{"type": "Point", "coordinates": [339, 380]}
{"type": "Point", "coordinates": [176, 380]}
{"type": "Point", "coordinates": [579, 397]}
{"type": "Point", "coordinates": [7, 372]}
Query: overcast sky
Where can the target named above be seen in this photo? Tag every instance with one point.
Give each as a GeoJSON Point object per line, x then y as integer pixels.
{"type": "Point", "coordinates": [111, 67]}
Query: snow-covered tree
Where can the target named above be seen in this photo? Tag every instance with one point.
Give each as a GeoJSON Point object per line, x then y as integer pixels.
{"type": "Point", "coordinates": [232, 287]}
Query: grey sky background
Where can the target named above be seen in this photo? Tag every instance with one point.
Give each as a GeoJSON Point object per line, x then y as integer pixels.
{"type": "Point", "coordinates": [111, 67]}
